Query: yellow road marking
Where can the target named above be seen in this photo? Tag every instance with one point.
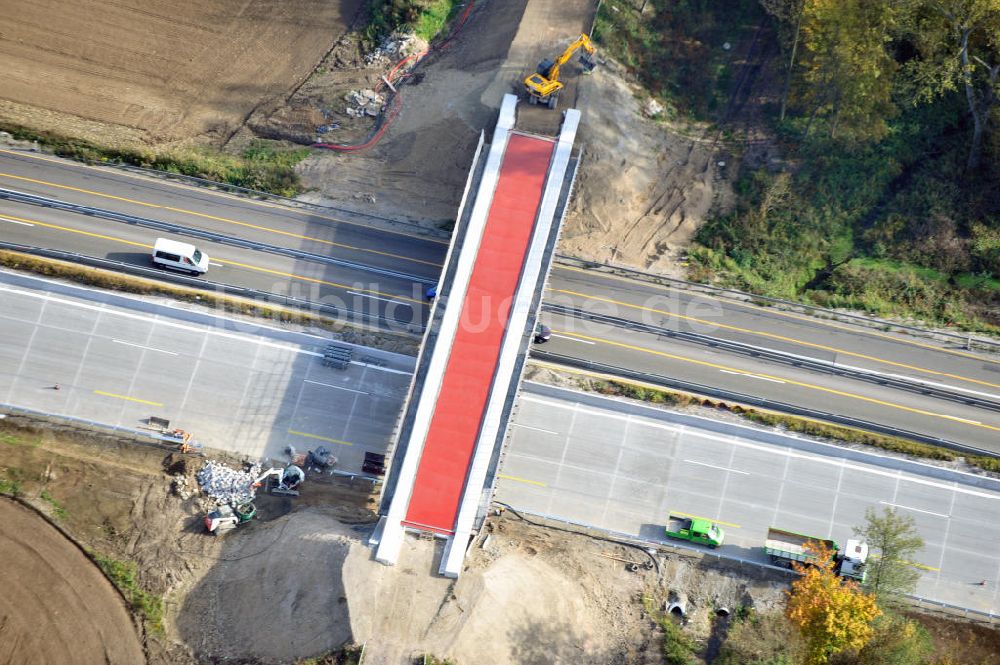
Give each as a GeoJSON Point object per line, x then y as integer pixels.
{"type": "Point", "coordinates": [831, 391]}
{"type": "Point", "coordinates": [790, 315]}
{"type": "Point", "coordinates": [709, 519]}
{"type": "Point", "coordinates": [321, 438]}
{"type": "Point", "coordinates": [922, 566]}
{"type": "Point", "coordinates": [520, 480]}
{"type": "Point", "coordinates": [781, 338]}
{"type": "Point", "coordinates": [193, 213]}
{"type": "Point", "coordinates": [127, 398]}
{"type": "Point", "coordinates": [224, 195]}
{"type": "Point", "coordinates": [345, 287]}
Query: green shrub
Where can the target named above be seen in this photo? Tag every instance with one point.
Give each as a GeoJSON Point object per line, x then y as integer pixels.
{"type": "Point", "coordinates": [57, 509]}
{"type": "Point", "coordinates": [424, 18]}
{"type": "Point", "coordinates": [10, 487]}
{"type": "Point", "coordinates": [759, 639]}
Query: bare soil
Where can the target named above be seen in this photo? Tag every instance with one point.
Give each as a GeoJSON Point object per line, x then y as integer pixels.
{"type": "Point", "coordinates": [57, 606]}
{"type": "Point", "coordinates": [418, 169]}
{"type": "Point", "coordinates": [960, 641]}
{"type": "Point", "coordinates": [148, 72]}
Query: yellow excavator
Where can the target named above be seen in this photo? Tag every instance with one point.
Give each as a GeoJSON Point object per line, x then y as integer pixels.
{"type": "Point", "coordinates": [543, 86]}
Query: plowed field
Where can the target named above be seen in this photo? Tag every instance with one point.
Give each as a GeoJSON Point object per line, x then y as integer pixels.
{"type": "Point", "coordinates": [157, 69]}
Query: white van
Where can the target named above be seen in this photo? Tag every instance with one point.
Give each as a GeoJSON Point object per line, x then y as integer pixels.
{"type": "Point", "coordinates": [180, 256]}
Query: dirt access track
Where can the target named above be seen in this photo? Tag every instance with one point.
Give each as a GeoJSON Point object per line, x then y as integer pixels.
{"type": "Point", "coordinates": [156, 71]}
{"type": "Point", "coordinates": [56, 606]}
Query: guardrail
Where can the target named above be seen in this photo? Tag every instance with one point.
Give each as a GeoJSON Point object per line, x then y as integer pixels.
{"type": "Point", "coordinates": [753, 400]}
{"type": "Point", "coordinates": [965, 341]}
{"type": "Point", "coordinates": [911, 385]}
{"type": "Point", "coordinates": [379, 321]}
{"type": "Point", "coordinates": [177, 229]}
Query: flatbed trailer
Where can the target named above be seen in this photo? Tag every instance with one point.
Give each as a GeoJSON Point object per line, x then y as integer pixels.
{"type": "Point", "coordinates": [783, 547]}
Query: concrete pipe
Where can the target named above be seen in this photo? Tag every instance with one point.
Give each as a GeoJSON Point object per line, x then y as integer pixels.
{"type": "Point", "coordinates": [678, 605]}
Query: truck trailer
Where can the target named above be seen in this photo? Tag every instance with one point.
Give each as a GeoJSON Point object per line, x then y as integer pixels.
{"type": "Point", "coordinates": [786, 547]}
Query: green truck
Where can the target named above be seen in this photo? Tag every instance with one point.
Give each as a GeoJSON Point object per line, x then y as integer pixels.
{"type": "Point", "coordinates": [785, 547]}
{"type": "Point", "coordinates": [696, 530]}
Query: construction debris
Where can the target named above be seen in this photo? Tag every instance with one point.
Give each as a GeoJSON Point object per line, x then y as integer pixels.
{"type": "Point", "coordinates": [393, 48]}
{"type": "Point", "coordinates": [227, 485]}
{"type": "Point", "coordinates": [363, 102]}
{"type": "Point", "coordinates": [652, 108]}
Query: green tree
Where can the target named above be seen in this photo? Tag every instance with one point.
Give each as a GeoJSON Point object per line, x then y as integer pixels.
{"type": "Point", "coordinates": [959, 45]}
{"type": "Point", "coordinates": [789, 16]}
{"type": "Point", "coordinates": [894, 543]}
{"type": "Point", "coordinates": [831, 614]}
{"type": "Point", "coordinates": [847, 69]}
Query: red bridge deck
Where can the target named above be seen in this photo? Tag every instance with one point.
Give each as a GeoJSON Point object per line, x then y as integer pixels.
{"type": "Point", "coordinates": [461, 404]}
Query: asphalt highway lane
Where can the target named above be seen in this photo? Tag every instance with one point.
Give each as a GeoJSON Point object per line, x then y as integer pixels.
{"type": "Point", "coordinates": [402, 249]}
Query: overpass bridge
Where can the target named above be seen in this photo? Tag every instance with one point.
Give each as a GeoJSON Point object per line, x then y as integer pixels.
{"type": "Point", "coordinates": [454, 420]}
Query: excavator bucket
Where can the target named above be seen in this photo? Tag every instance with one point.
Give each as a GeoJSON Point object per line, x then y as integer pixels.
{"type": "Point", "coordinates": [588, 63]}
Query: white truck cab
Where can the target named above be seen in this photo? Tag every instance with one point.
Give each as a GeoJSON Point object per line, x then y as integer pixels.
{"type": "Point", "coordinates": [179, 256]}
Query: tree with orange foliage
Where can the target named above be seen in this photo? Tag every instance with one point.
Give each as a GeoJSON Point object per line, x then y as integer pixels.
{"type": "Point", "coordinates": [832, 614]}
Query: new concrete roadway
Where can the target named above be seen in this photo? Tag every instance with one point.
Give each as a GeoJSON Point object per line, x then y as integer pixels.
{"type": "Point", "coordinates": [234, 384]}
{"type": "Point", "coordinates": [623, 467]}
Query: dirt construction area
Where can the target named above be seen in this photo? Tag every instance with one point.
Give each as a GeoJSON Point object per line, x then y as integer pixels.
{"type": "Point", "coordinates": [153, 71]}
{"type": "Point", "coordinates": [300, 581]}
{"type": "Point", "coordinates": [644, 185]}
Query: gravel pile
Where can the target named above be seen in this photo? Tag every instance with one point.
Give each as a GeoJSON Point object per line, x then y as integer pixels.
{"type": "Point", "coordinates": [227, 485]}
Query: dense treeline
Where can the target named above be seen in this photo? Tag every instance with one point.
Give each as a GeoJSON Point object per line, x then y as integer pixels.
{"type": "Point", "coordinates": [886, 195]}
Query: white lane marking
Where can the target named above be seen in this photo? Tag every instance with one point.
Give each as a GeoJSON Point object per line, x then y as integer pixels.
{"type": "Point", "coordinates": [14, 221]}
{"type": "Point", "coordinates": [379, 368]}
{"type": "Point", "coordinates": [537, 429]}
{"type": "Point", "coordinates": [788, 452]}
{"type": "Point", "coordinates": [574, 339]}
{"type": "Point", "coordinates": [365, 295]}
{"type": "Point", "coordinates": [897, 505]}
{"type": "Point", "coordinates": [140, 346]}
{"type": "Point", "coordinates": [330, 385]}
{"type": "Point", "coordinates": [712, 466]}
{"type": "Point", "coordinates": [752, 376]}
{"type": "Point", "coordinates": [213, 263]}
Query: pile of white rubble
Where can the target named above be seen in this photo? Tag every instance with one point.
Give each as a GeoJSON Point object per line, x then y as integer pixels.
{"type": "Point", "coordinates": [227, 485]}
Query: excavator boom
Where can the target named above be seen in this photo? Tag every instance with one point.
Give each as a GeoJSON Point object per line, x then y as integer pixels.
{"type": "Point", "coordinates": [544, 85]}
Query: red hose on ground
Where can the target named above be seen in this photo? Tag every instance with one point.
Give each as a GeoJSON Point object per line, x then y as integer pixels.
{"type": "Point", "coordinates": [394, 104]}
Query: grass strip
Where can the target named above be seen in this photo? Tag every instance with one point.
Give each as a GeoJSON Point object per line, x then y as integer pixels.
{"type": "Point", "coordinates": [124, 575]}
{"type": "Point", "coordinates": [263, 165]}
